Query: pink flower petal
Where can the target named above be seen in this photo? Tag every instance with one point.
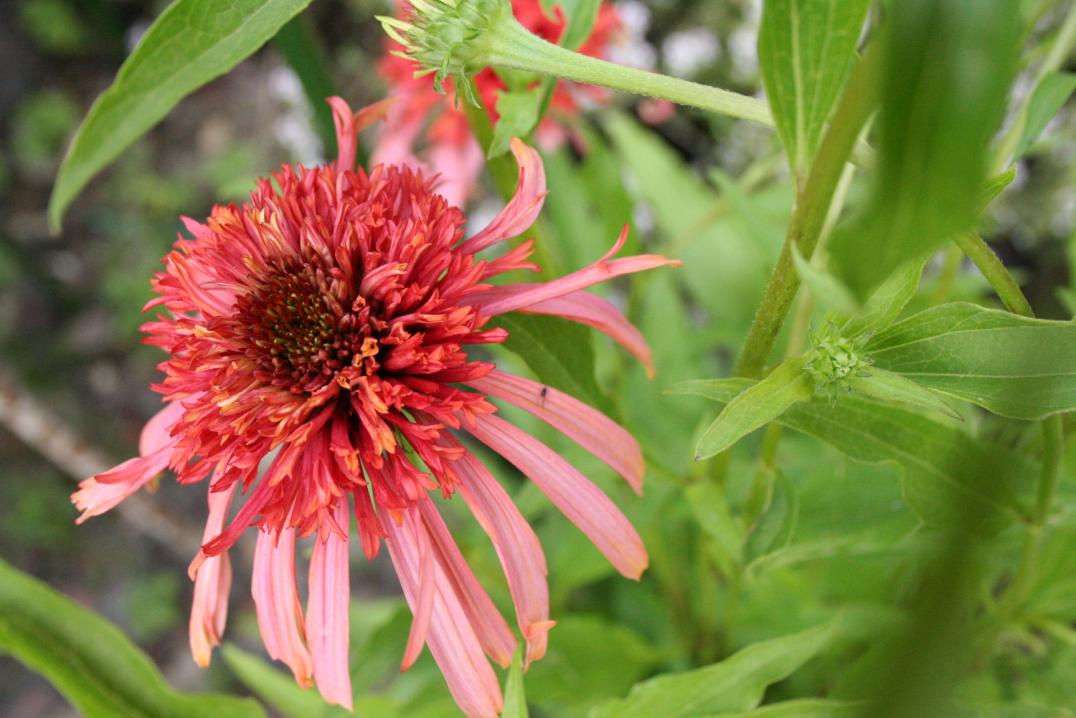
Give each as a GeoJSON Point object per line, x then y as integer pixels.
{"type": "Point", "coordinates": [459, 167]}
{"type": "Point", "coordinates": [423, 611]}
{"type": "Point", "coordinates": [574, 494]}
{"type": "Point", "coordinates": [585, 308]}
{"type": "Point", "coordinates": [517, 547]}
{"type": "Point", "coordinates": [157, 433]}
{"type": "Point", "coordinates": [209, 610]}
{"type": "Point", "coordinates": [276, 602]}
{"type": "Point", "coordinates": [523, 208]}
{"type": "Point", "coordinates": [488, 623]}
{"type": "Point", "coordinates": [588, 427]}
{"type": "Point", "coordinates": [451, 639]}
{"type": "Point", "coordinates": [348, 126]}
{"type": "Point", "coordinates": [326, 612]}
{"type": "Point", "coordinates": [98, 494]}
{"type": "Point", "coordinates": [508, 298]}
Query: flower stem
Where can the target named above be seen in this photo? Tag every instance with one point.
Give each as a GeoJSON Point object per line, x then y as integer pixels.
{"type": "Point", "coordinates": [513, 46]}
{"type": "Point", "coordinates": [1004, 285]}
{"type": "Point", "coordinates": [809, 214]}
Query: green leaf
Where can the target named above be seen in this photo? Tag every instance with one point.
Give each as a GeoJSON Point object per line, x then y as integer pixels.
{"type": "Point", "coordinates": [277, 688]}
{"type": "Point", "coordinates": [515, 699]}
{"type": "Point", "coordinates": [558, 351]}
{"type": "Point", "coordinates": [943, 467]}
{"type": "Point", "coordinates": [806, 49]}
{"type": "Point", "coordinates": [803, 708]}
{"type": "Point", "coordinates": [886, 386]}
{"type": "Point", "coordinates": [735, 684]}
{"type": "Point", "coordinates": [518, 110]}
{"type": "Point", "coordinates": [192, 42]}
{"type": "Point", "coordinates": [886, 302]}
{"type": "Point", "coordinates": [775, 527]}
{"type": "Point", "coordinates": [786, 385]}
{"type": "Point", "coordinates": [947, 69]}
{"type": "Point", "coordinates": [710, 509]}
{"type": "Point", "coordinates": [581, 15]}
{"type": "Point", "coordinates": [1048, 97]}
{"type": "Point", "coordinates": [90, 661]}
{"type": "Point", "coordinates": [827, 290]}
{"type": "Point", "coordinates": [1015, 366]}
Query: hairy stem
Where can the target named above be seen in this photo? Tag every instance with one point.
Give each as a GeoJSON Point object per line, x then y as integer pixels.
{"type": "Point", "coordinates": [809, 214]}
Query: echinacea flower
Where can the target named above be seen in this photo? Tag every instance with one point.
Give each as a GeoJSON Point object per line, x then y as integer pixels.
{"type": "Point", "coordinates": [318, 366]}
{"type": "Point", "coordinates": [450, 146]}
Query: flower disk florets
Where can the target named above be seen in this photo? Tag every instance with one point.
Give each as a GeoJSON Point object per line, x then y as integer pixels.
{"type": "Point", "coordinates": [328, 310]}
{"type": "Point", "coordinates": [834, 359]}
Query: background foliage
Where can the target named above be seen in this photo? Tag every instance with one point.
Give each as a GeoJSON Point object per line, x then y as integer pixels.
{"type": "Point", "coordinates": [876, 548]}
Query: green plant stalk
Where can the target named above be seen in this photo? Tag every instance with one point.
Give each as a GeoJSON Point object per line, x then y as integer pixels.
{"type": "Point", "coordinates": [1052, 431]}
{"type": "Point", "coordinates": [951, 261]}
{"type": "Point", "coordinates": [513, 46]}
{"type": "Point", "coordinates": [856, 105]}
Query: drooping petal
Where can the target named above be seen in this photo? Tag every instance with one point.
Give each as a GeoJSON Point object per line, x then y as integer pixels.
{"type": "Point", "coordinates": [509, 297]}
{"type": "Point", "coordinates": [522, 210]}
{"type": "Point", "coordinates": [588, 427]}
{"type": "Point", "coordinates": [157, 433]}
{"type": "Point", "coordinates": [451, 639]}
{"type": "Point", "coordinates": [488, 623]}
{"type": "Point", "coordinates": [276, 602]}
{"type": "Point", "coordinates": [459, 166]}
{"type": "Point", "coordinates": [585, 308]}
{"type": "Point", "coordinates": [517, 547]}
{"type": "Point", "coordinates": [574, 494]}
{"type": "Point", "coordinates": [209, 610]}
{"type": "Point", "coordinates": [326, 612]}
{"type": "Point", "coordinates": [423, 609]}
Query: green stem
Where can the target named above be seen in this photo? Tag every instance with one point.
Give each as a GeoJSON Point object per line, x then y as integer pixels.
{"type": "Point", "coordinates": [996, 274]}
{"type": "Point", "coordinates": [513, 46]}
{"type": "Point", "coordinates": [809, 214]}
{"type": "Point", "coordinates": [950, 266]}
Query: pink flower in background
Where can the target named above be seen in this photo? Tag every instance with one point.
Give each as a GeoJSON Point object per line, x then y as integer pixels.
{"type": "Point", "coordinates": [420, 112]}
{"type": "Point", "coordinates": [319, 372]}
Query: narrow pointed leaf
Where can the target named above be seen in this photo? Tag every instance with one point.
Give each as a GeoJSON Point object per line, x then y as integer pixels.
{"type": "Point", "coordinates": [943, 466]}
{"type": "Point", "coordinates": [192, 42]}
{"type": "Point", "coordinates": [1047, 98]}
{"type": "Point", "coordinates": [826, 289]}
{"type": "Point", "coordinates": [886, 302]}
{"type": "Point", "coordinates": [735, 684]}
{"type": "Point", "coordinates": [515, 699]}
{"type": "Point", "coordinates": [887, 386]}
{"type": "Point", "coordinates": [806, 49]}
{"type": "Point", "coordinates": [786, 385]}
{"type": "Point", "coordinates": [90, 661]}
{"type": "Point", "coordinates": [803, 708]}
{"type": "Point", "coordinates": [1014, 366]}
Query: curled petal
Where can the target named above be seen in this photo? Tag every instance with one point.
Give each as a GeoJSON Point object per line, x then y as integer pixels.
{"type": "Point", "coordinates": [100, 493]}
{"type": "Point", "coordinates": [588, 427]}
{"type": "Point", "coordinates": [276, 602]}
{"type": "Point", "coordinates": [209, 610]}
{"type": "Point", "coordinates": [326, 612]}
{"type": "Point", "coordinates": [517, 547]}
{"type": "Point", "coordinates": [451, 639]}
{"type": "Point", "coordinates": [349, 125]}
{"type": "Point", "coordinates": [591, 310]}
{"type": "Point", "coordinates": [575, 495]}
{"type": "Point", "coordinates": [509, 298]}
{"type": "Point", "coordinates": [524, 207]}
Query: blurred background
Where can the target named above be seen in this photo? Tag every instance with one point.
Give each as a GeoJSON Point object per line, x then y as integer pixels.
{"type": "Point", "coordinates": [74, 376]}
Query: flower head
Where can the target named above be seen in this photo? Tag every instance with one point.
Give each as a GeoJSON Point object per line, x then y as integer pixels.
{"type": "Point", "coordinates": [420, 105]}
{"type": "Point", "coordinates": [320, 372]}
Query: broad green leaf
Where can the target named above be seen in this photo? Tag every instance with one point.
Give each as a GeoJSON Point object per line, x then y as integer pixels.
{"type": "Point", "coordinates": [943, 466]}
{"type": "Point", "coordinates": [1014, 366]}
{"type": "Point", "coordinates": [806, 49]}
{"type": "Point", "coordinates": [945, 78]}
{"type": "Point", "coordinates": [90, 661]}
{"type": "Point", "coordinates": [735, 684]}
{"type": "Point", "coordinates": [515, 700]}
{"type": "Point", "coordinates": [887, 386]}
{"type": "Point", "coordinates": [558, 351]}
{"type": "Point", "coordinates": [803, 708]}
{"type": "Point", "coordinates": [192, 42]}
{"type": "Point", "coordinates": [278, 688]}
{"type": "Point", "coordinates": [1047, 98]}
{"type": "Point", "coordinates": [786, 385]}
{"type": "Point", "coordinates": [826, 289]}
{"type": "Point", "coordinates": [518, 112]}
{"type": "Point", "coordinates": [886, 302]}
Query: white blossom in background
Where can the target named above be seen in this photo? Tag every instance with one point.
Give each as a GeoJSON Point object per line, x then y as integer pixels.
{"type": "Point", "coordinates": [293, 127]}
{"type": "Point", "coordinates": [633, 50]}
{"type": "Point", "coordinates": [685, 53]}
